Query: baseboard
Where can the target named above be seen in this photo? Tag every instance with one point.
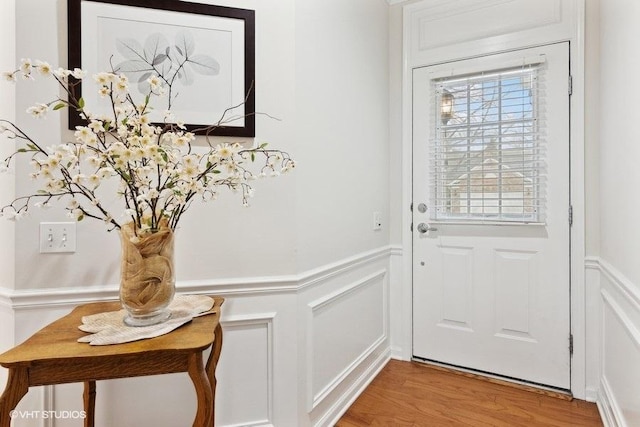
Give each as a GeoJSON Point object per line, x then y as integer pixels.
{"type": "Point", "coordinates": [398, 354]}
{"type": "Point", "coordinates": [609, 411]}
{"type": "Point", "coordinates": [591, 394]}
{"type": "Point", "coordinates": [338, 409]}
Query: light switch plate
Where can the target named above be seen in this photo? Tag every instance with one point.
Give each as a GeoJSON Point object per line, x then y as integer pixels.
{"type": "Point", "coordinates": [57, 237]}
{"type": "Point", "coordinates": [377, 221]}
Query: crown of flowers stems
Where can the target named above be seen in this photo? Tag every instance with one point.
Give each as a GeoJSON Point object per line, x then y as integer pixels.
{"type": "Point", "coordinates": [160, 171]}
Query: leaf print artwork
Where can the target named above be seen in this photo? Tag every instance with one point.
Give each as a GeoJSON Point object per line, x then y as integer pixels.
{"type": "Point", "coordinates": [172, 63]}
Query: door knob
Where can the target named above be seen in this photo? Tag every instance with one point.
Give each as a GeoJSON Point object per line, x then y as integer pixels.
{"type": "Point", "coordinates": [423, 228]}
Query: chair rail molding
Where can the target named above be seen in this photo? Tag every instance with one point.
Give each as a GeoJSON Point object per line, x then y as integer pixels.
{"type": "Point", "coordinates": [73, 295]}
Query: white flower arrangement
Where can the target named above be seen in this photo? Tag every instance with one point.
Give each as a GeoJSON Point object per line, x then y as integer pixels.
{"type": "Point", "coordinates": [159, 169]}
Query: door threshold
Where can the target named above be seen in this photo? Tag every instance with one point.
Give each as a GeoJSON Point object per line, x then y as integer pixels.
{"type": "Point", "coordinates": [497, 379]}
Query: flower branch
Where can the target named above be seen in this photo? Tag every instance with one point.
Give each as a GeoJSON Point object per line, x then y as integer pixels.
{"type": "Point", "coordinates": [160, 173]}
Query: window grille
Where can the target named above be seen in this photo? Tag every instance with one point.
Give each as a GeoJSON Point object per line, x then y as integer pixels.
{"type": "Point", "coordinates": [488, 148]}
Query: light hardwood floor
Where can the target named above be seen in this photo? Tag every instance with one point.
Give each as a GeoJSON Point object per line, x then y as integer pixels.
{"type": "Point", "coordinates": [414, 394]}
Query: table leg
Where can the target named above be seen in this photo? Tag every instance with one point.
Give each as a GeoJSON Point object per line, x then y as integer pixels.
{"type": "Point", "coordinates": [17, 387]}
{"type": "Point", "coordinates": [203, 390]}
{"type": "Point", "coordinates": [214, 356]}
{"type": "Point", "coordinates": [89, 397]}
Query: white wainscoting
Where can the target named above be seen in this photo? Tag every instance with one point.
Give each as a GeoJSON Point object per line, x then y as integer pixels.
{"type": "Point", "coordinates": [346, 339]}
{"type": "Point", "coordinates": [249, 345]}
{"type": "Point", "coordinates": [355, 309]}
{"type": "Point", "coordinates": [297, 350]}
{"type": "Point", "coordinates": [619, 338]}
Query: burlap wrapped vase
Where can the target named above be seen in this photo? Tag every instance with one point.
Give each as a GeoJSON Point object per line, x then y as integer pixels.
{"type": "Point", "coordinates": [147, 283]}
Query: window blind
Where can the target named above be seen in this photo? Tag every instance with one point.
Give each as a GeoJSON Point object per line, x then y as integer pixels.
{"type": "Point", "coordinates": [488, 148]}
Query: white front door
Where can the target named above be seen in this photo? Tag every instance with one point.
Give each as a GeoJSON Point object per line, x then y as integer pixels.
{"type": "Point", "coordinates": [491, 214]}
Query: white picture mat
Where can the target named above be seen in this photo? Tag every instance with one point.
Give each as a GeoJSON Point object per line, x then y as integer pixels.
{"type": "Point", "coordinates": [205, 101]}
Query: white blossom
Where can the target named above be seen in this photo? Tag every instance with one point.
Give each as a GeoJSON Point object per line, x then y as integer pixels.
{"type": "Point", "coordinates": [96, 126]}
{"type": "Point", "coordinates": [25, 66]}
{"type": "Point", "coordinates": [104, 91]}
{"type": "Point", "coordinates": [77, 214]}
{"type": "Point", "coordinates": [103, 78]}
{"type": "Point", "coordinates": [62, 74]}
{"type": "Point", "coordinates": [13, 216]}
{"type": "Point", "coordinates": [45, 172]}
{"type": "Point", "coordinates": [225, 151]}
{"type": "Point", "coordinates": [121, 87]}
{"type": "Point", "coordinates": [155, 82]}
{"type": "Point", "coordinates": [43, 68]}
{"type": "Point", "coordinates": [38, 110]}
{"type": "Point", "coordinates": [53, 161]}
{"type": "Point", "coordinates": [106, 172]}
{"type": "Point", "coordinates": [78, 73]}
{"type": "Point", "coordinates": [42, 205]}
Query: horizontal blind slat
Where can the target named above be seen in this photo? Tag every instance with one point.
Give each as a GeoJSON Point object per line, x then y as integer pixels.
{"type": "Point", "coordinates": [488, 159]}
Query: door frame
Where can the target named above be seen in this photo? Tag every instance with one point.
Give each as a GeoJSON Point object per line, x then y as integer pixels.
{"type": "Point", "coordinates": [570, 29]}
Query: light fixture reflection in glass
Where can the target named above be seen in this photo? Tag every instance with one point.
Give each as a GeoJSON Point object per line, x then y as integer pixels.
{"type": "Point", "coordinates": [446, 106]}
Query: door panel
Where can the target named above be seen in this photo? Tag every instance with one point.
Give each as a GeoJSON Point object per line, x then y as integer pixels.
{"type": "Point", "coordinates": [494, 297]}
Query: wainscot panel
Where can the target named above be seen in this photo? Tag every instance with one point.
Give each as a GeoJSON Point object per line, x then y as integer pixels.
{"type": "Point", "coordinates": [619, 391]}
{"type": "Point", "coordinates": [297, 350]}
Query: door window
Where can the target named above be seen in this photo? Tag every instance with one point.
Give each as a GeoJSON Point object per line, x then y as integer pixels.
{"type": "Point", "coordinates": [488, 151]}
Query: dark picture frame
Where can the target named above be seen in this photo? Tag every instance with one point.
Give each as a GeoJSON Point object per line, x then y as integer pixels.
{"type": "Point", "coordinates": [223, 87]}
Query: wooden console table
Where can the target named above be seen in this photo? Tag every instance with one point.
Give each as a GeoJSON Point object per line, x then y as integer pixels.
{"type": "Point", "coordinates": [53, 356]}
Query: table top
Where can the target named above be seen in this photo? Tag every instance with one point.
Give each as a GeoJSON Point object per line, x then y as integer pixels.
{"type": "Point", "coordinates": [58, 340]}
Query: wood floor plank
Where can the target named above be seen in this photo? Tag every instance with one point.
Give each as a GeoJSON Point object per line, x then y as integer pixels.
{"type": "Point", "coordinates": [417, 395]}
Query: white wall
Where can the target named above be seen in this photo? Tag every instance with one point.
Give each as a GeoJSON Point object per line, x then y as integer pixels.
{"type": "Point", "coordinates": [592, 126]}
{"type": "Point", "coordinates": [305, 275]}
{"type": "Point", "coordinates": [341, 49]}
{"type": "Point", "coordinates": [619, 65]}
{"type": "Point", "coordinates": [619, 227]}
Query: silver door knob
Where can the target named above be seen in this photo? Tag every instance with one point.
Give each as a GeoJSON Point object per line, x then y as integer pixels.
{"type": "Point", "coordinates": [423, 228]}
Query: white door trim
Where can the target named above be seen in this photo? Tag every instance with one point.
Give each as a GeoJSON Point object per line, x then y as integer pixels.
{"type": "Point", "coordinates": [570, 29]}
